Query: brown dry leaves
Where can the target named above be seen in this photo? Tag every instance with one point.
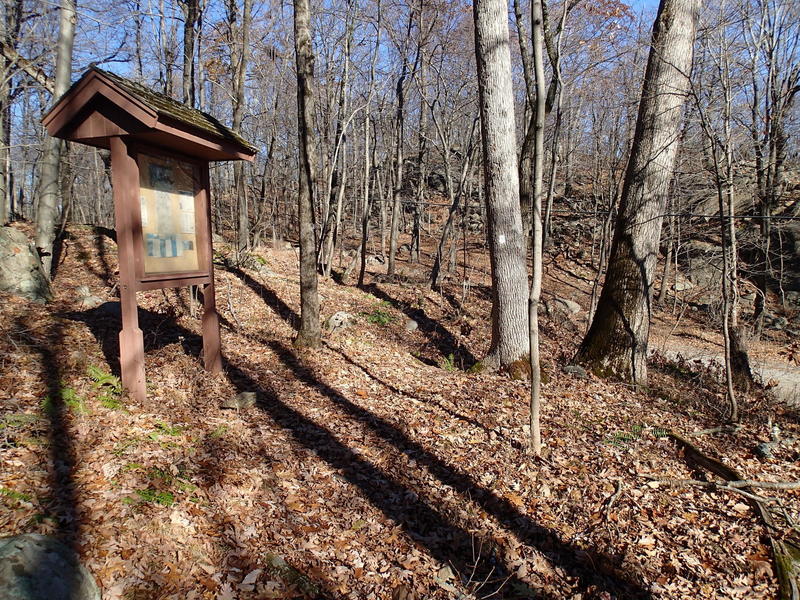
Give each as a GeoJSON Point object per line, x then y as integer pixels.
{"type": "Point", "coordinates": [364, 471]}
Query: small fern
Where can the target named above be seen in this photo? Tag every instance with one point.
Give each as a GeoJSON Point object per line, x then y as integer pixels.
{"type": "Point", "coordinates": [109, 386]}
{"type": "Point", "coordinates": [448, 363]}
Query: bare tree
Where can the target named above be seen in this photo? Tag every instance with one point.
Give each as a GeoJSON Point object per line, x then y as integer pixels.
{"type": "Point", "coordinates": [616, 343]}
{"type": "Point", "coordinates": [510, 342]}
{"type": "Point", "coordinates": [192, 13]}
{"type": "Point", "coordinates": [240, 53]}
{"type": "Point", "coordinates": [309, 334]}
{"type": "Point", "coordinates": [400, 93]}
{"type": "Point", "coordinates": [48, 208]}
{"type": "Point", "coordinates": [10, 21]}
{"type": "Point", "coordinates": [537, 239]}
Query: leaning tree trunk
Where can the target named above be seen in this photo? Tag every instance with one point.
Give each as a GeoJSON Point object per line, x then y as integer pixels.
{"type": "Point", "coordinates": [47, 212]}
{"type": "Point", "coordinates": [506, 239]}
{"type": "Point", "coordinates": [616, 343]}
{"type": "Point", "coordinates": [309, 334]}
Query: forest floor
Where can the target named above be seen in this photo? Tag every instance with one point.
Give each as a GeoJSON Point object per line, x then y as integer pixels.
{"type": "Point", "coordinates": [375, 466]}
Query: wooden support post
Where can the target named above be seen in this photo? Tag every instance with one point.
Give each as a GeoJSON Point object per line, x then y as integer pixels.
{"type": "Point", "coordinates": [212, 345]}
{"type": "Point", "coordinates": [125, 181]}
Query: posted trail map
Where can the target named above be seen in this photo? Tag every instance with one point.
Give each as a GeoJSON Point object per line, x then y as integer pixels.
{"type": "Point", "coordinates": [167, 193]}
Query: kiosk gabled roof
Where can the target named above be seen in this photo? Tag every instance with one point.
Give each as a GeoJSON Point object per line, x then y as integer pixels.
{"type": "Point", "coordinates": [102, 104]}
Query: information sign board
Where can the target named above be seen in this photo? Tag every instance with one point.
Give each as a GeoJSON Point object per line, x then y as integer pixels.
{"type": "Point", "coordinates": [168, 188]}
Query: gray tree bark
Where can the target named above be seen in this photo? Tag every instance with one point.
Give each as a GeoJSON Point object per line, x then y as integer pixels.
{"type": "Point", "coordinates": [240, 54]}
{"type": "Point", "coordinates": [9, 32]}
{"type": "Point", "coordinates": [49, 197]}
{"type": "Point", "coordinates": [400, 93]}
{"type": "Point", "coordinates": [191, 15]}
{"type": "Point", "coordinates": [616, 343]}
{"type": "Point", "coordinates": [309, 334]}
{"type": "Point", "coordinates": [537, 232]}
{"type": "Point", "coordinates": [506, 239]}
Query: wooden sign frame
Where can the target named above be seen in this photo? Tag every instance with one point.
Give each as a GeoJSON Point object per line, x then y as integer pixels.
{"type": "Point", "coordinates": [105, 110]}
{"type": "Point", "coordinates": [127, 209]}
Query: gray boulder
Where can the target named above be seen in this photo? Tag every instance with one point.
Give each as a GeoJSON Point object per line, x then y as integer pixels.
{"type": "Point", "coordinates": [241, 400]}
{"type": "Point", "coordinates": [21, 271]}
{"type": "Point", "coordinates": [410, 325]}
{"type": "Point", "coordinates": [576, 370]}
{"type": "Point", "coordinates": [39, 567]}
{"type": "Point", "coordinates": [86, 299]}
{"type": "Point", "coordinates": [558, 305]}
{"type": "Point", "coordinates": [338, 321]}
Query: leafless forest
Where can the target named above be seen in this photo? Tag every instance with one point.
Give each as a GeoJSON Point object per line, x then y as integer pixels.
{"type": "Point", "coordinates": [510, 300]}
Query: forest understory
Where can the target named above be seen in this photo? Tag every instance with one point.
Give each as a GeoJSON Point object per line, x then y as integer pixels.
{"type": "Point", "coordinates": [377, 466]}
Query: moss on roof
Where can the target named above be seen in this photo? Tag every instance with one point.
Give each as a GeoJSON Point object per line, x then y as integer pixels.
{"type": "Point", "coordinates": [164, 105]}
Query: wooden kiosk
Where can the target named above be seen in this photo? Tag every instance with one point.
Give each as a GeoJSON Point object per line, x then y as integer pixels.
{"type": "Point", "coordinates": [160, 151]}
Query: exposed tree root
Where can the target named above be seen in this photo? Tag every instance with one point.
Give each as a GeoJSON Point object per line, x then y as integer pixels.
{"type": "Point", "coordinates": [786, 551]}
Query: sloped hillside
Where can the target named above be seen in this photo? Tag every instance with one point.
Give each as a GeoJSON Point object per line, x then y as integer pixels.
{"type": "Point", "coordinates": [374, 467]}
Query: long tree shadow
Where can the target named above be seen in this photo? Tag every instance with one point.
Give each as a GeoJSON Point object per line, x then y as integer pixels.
{"type": "Point", "coordinates": [443, 538]}
{"type": "Point", "coordinates": [444, 341]}
{"type": "Point", "coordinates": [600, 571]}
{"type": "Point", "coordinates": [62, 450]}
{"type": "Point", "coordinates": [105, 273]}
{"type": "Point", "coordinates": [283, 310]}
{"type": "Point", "coordinates": [429, 400]}
{"type": "Point", "coordinates": [64, 503]}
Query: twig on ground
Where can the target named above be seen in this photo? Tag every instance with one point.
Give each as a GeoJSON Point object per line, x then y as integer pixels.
{"type": "Point", "coordinates": [709, 485]}
{"type": "Point", "coordinates": [613, 498]}
{"type": "Point", "coordinates": [720, 429]}
{"type": "Point", "coordinates": [744, 483]}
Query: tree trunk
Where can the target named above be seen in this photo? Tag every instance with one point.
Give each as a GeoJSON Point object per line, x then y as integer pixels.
{"type": "Point", "coordinates": [537, 233]}
{"type": "Point", "coordinates": [309, 334]}
{"type": "Point", "coordinates": [191, 14]}
{"type": "Point", "coordinates": [48, 207]}
{"type": "Point", "coordinates": [240, 53]}
{"type": "Point", "coordinates": [510, 341]}
{"type": "Point", "coordinates": [9, 33]}
{"type": "Point", "coordinates": [616, 343]}
{"type": "Point", "coordinates": [453, 196]}
{"type": "Point", "coordinates": [394, 232]}
{"type": "Point", "coordinates": [367, 198]}
{"type": "Point", "coordinates": [422, 157]}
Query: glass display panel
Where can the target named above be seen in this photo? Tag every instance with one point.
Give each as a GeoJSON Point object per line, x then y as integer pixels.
{"type": "Point", "coordinates": [167, 189]}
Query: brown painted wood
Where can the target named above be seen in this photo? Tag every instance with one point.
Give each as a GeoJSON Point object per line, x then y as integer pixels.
{"type": "Point", "coordinates": [157, 284]}
{"type": "Point", "coordinates": [196, 143]}
{"type": "Point", "coordinates": [71, 108]}
{"type": "Point", "coordinates": [125, 181]}
{"type": "Point", "coordinates": [96, 126]}
{"type": "Point", "coordinates": [97, 111]}
{"type": "Point", "coordinates": [212, 344]}
{"type": "Point", "coordinates": [94, 93]}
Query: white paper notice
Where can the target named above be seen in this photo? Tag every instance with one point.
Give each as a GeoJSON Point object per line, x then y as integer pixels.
{"type": "Point", "coordinates": [186, 200]}
{"type": "Point", "coordinates": [143, 203]}
{"type": "Point", "coordinates": [187, 222]}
